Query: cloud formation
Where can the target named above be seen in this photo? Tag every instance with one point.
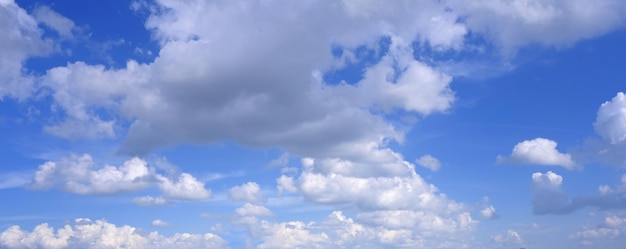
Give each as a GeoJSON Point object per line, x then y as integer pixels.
{"type": "Point", "coordinates": [611, 120]}
{"type": "Point", "coordinates": [79, 174]}
{"type": "Point", "coordinates": [429, 162]}
{"type": "Point", "coordinates": [248, 192]}
{"type": "Point", "coordinates": [22, 40]}
{"type": "Point", "coordinates": [610, 125]}
{"type": "Point", "coordinates": [99, 234]}
{"type": "Point", "coordinates": [401, 202]}
{"type": "Point", "coordinates": [549, 197]}
{"type": "Point", "coordinates": [538, 151]}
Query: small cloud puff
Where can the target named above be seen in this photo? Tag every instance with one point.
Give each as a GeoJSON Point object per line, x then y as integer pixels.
{"type": "Point", "coordinates": [429, 162]}
{"type": "Point", "coordinates": [539, 151]}
{"type": "Point", "coordinates": [159, 223]}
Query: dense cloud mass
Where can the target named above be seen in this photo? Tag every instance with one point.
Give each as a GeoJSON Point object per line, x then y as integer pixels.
{"type": "Point", "coordinates": [258, 73]}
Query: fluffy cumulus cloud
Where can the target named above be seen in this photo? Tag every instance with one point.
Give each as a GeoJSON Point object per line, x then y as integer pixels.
{"type": "Point", "coordinates": [84, 233]}
{"type": "Point", "coordinates": [489, 212]}
{"type": "Point", "coordinates": [610, 125]}
{"type": "Point", "coordinates": [79, 174]}
{"type": "Point", "coordinates": [539, 151]}
{"type": "Point", "coordinates": [611, 120]}
{"type": "Point", "coordinates": [335, 231]}
{"type": "Point", "coordinates": [248, 192]}
{"type": "Point", "coordinates": [209, 83]}
{"type": "Point", "coordinates": [184, 187]}
{"type": "Point", "coordinates": [196, 77]}
{"type": "Point", "coordinates": [402, 202]}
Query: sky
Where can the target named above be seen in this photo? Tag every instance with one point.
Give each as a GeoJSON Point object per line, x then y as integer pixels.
{"type": "Point", "coordinates": [312, 124]}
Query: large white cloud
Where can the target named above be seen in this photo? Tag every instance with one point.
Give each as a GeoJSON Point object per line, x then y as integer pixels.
{"type": "Point", "coordinates": [80, 174]}
{"type": "Point", "coordinates": [402, 202]}
{"type": "Point", "coordinates": [539, 151]}
{"type": "Point", "coordinates": [197, 79]}
{"type": "Point", "coordinates": [99, 234]}
{"type": "Point", "coordinates": [21, 40]}
{"type": "Point", "coordinates": [512, 24]}
{"type": "Point", "coordinates": [339, 231]}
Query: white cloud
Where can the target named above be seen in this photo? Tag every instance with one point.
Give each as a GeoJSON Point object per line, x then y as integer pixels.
{"type": "Point", "coordinates": [79, 174]}
{"type": "Point", "coordinates": [611, 120]}
{"type": "Point", "coordinates": [548, 196]}
{"type": "Point", "coordinates": [22, 39]}
{"type": "Point", "coordinates": [99, 234]}
{"type": "Point", "coordinates": [539, 151]}
{"type": "Point", "coordinates": [339, 231]}
{"type": "Point", "coordinates": [489, 212]}
{"type": "Point", "coordinates": [185, 187]}
{"type": "Point", "coordinates": [80, 89]}
{"type": "Point", "coordinates": [62, 25]}
{"type": "Point", "coordinates": [150, 201]}
{"type": "Point", "coordinates": [285, 183]}
{"type": "Point", "coordinates": [598, 233]}
{"type": "Point", "coordinates": [429, 162]}
{"type": "Point", "coordinates": [612, 227]}
{"type": "Point", "coordinates": [159, 223]}
{"type": "Point", "coordinates": [291, 235]}
{"type": "Point", "coordinates": [398, 203]}
{"type": "Point", "coordinates": [610, 125]}
{"type": "Point", "coordinates": [248, 213]}
{"type": "Point", "coordinates": [338, 114]}
{"type": "Point", "coordinates": [249, 209]}
{"type": "Point", "coordinates": [512, 24]}
{"type": "Point", "coordinates": [511, 237]}
{"type": "Point", "coordinates": [248, 192]}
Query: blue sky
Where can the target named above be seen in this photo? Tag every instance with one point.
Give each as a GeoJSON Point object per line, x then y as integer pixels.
{"type": "Point", "coordinates": [312, 124]}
